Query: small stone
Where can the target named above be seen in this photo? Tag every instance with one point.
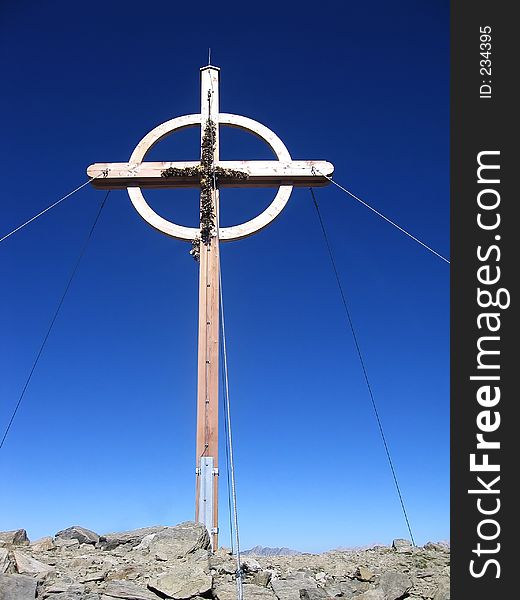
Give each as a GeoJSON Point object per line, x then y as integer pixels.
{"type": "Point", "coordinates": [289, 589]}
{"type": "Point", "coordinates": [161, 556]}
{"type": "Point", "coordinates": [374, 594]}
{"type": "Point", "coordinates": [145, 542]}
{"type": "Point", "coordinates": [181, 540]}
{"type": "Point", "coordinates": [182, 581]}
{"type": "Point", "coordinates": [402, 546]}
{"type": "Point", "coordinates": [200, 557]}
{"type": "Point", "coordinates": [62, 590]}
{"type": "Point", "coordinates": [394, 585]}
{"type": "Point", "coordinates": [251, 565]}
{"type": "Point", "coordinates": [4, 560]}
{"type": "Point", "coordinates": [29, 565]}
{"type": "Point", "coordinates": [437, 546]}
{"type": "Point", "coordinates": [58, 588]}
{"type": "Point", "coordinates": [443, 591]}
{"type": "Point", "coordinates": [364, 574]}
{"type": "Point", "coordinates": [262, 578]}
{"type": "Point", "coordinates": [424, 574]}
{"type": "Point", "coordinates": [345, 588]}
{"type": "Point", "coordinates": [222, 562]}
{"type": "Point", "coordinates": [17, 587]}
{"type": "Point", "coordinates": [313, 594]}
{"type": "Point", "coordinates": [97, 576]}
{"type": "Point", "coordinates": [66, 543]}
{"type": "Point", "coordinates": [228, 591]}
{"type": "Point", "coordinates": [128, 591]}
{"type": "Point", "coordinates": [18, 537]}
{"type": "Point", "coordinates": [74, 596]}
{"type": "Point", "coordinates": [132, 538]}
{"type": "Point", "coordinates": [44, 544]}
{"type": "Point", "coordinates": [84, 536]}
{"type": "Point", "coordinates": [124, 573]}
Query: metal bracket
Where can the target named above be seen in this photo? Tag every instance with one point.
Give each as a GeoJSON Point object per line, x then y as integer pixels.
{"type": "Point", "coordinates": [206, 499]}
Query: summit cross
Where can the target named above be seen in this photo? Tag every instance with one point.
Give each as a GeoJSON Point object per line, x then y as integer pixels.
{"type": "Point", "coordinates": [210, 174]}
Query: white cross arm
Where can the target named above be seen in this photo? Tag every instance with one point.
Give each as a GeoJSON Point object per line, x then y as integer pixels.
{"type": "Point", "coordinates": [259, 173]}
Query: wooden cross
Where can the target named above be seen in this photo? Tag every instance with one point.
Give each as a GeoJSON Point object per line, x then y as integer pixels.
{"type": "Point", "coordinates": [210, 174]}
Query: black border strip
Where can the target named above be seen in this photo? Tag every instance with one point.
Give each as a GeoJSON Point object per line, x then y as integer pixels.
{"type": "Point", "coordinates": [483, 124]}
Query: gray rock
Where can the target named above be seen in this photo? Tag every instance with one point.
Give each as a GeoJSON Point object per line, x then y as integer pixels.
{"type": "Point", "coordinates": [265, 551]}
{"type": "Point", "coordinates": [74, 596]}
{"type": "Point", "coordinates": [313, 594]}
{"type": "Point", "coordinates": [182, 581]}
{"type": "Point", "coordinates": [4, 560]}
{"type": "Point", "coordinates": [181, 540]}
{"type": "Point", "coordinates": [437, 546]}
{"type": "Point", "coordinates": [161, 556]}
{"type": "Point", "coordinates": [443, 590]}
{"type": "Point", "coordinates": [133, 538]}
{"type": "Point", "coordinates": [402, 546]}
{"type": "Point", "coordinates": [145, 542]}
{"type": "Point", "coordinates": [425, 573]}
{"type": "Point", "coordinates": [26, 564]}
{"type": "Point", "coordinates": [251, 565]}
{"type": "Point", "coordinates": [128, 591]}
{"type": "Point", "coordinates": [374, 594]}
{"type": "Point", "coordinates": [228, 591]}
{"type": "Point", "coordinates": [43, 544]}
{"type": "Point", "coordinates": [95, 576]}
{"type": "Point", "coordinates": [289, 589]}
{"type": "Point", "coordinates": [394, 585]}
{"type": "Point", "coordinates": [18, 537]}
{"type": "Point", "coordinates": [345, 588]}
{"type": "Point", "coordinates": [66, 543]}
{"type": "Point", "coordinates": [60, 587]}
{"type": "Point", "coordinates": [364, 574]}
{"type": "Point", "coordinates": [261, 578]}
{"type": "Point", "coordinates": [127, 558]}
{"type": "Point", "coordinates": [84, 536]}
{"type": "Point", "coordinates": [17, 587]}
{"type": "Point", "coordinates": [222, 561]}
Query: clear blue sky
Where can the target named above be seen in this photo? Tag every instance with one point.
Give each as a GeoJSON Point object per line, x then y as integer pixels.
{"type": "Point", "coordinates": [105, 436]}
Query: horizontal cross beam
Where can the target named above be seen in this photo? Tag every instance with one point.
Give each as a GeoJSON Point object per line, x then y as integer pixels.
{"type": "Point", "coordinates": [259, 173]}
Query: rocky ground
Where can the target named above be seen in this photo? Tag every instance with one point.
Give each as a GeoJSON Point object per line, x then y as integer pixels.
{"type": "Point", "coordinates": [175, 562]}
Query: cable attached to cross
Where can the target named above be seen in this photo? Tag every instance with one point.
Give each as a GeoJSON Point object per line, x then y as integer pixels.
{"type": "Point", "coordinates": [232, 494]}
{"type": "Point", "coordinates": [363, 366]}
{"type": "Point", "coordinates": [381, 215]}
{"type": "Point", "coordinates": [103, 174]}
{"type": "Point", "coordinates": [53, 320]}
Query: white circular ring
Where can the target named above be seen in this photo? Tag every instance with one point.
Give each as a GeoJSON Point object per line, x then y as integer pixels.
{"type": "Point", "coordinates": [234, 232]}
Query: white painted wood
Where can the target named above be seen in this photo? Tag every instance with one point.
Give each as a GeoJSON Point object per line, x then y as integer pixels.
{"type": "Point", "coordinates": [261, 173]}
{"type": "Point", "coordinates": [225, 233]}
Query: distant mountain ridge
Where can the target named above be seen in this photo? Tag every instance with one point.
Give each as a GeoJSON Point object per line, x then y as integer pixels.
{"type": "Point", "coordinates": [265, 551]}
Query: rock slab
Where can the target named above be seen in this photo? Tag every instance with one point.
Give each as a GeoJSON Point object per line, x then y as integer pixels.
{"type": "Point", "coordinates": [182, 582]}
{"type": "Point", "coordinates": [18, 537]}
{"type": "Point", "coordinates": [17, 587]}
{"type": "Point", "coordinates": [128, 591]}
{"type": "Point", "coordinates": [179, 541]}
{"type": "Point", "coordinates": [76, 532]}
{"type": "Point", "coordinates": [394, 585]}
{"type": "Point", "coordinates": [25, 564]}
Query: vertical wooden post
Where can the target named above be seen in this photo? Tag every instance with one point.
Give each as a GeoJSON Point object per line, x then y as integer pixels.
{"type": "Point", "coordinates": [208, 348]}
